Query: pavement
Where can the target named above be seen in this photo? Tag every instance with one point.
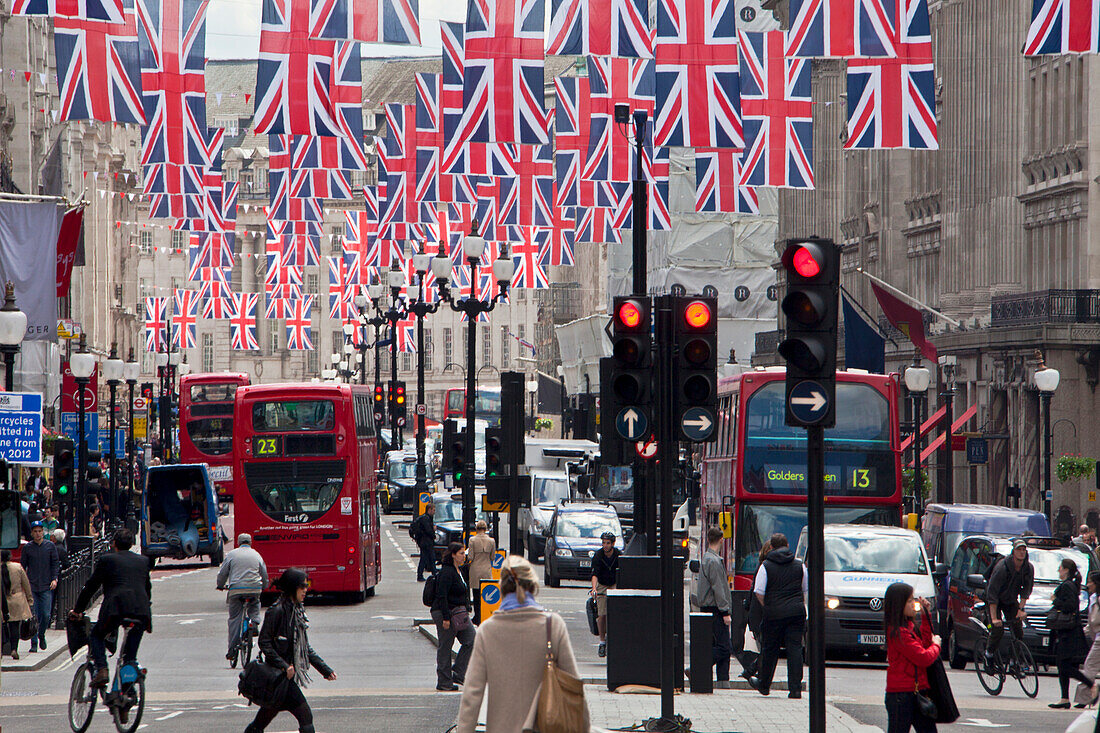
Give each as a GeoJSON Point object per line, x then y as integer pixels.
{"type": "Point", "coordinates": [56, 644]}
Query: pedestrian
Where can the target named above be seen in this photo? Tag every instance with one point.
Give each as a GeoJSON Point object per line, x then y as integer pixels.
{"type": "Point", "coordinates": [58, 539]}
{"type": "Point", "coordinates": [605, 573]}
{"type": "Point", "coordinates": [781, 585]}
{"type": "Point", "coordinates": [482, 549]}
{"type": "Point", "coordinates": [18, 601]}
{"type": "Point", "coordinates": [49, 519]}
{"type": "Point", "coordinates": [1010, 584]}
{"type": "Point", "coordinates": [712, 593]}
{"type": "Point", "coordinates": [1087, 692]}
{"type": "Point", "coordinates": [422, 530]}
{"type": "Point", "coordinates": [746, 633]}
{"type": "Point", "coordinates": [285, 645]}
{"type": "Point", "coordinates": [510, 655]}
{"type": "Point", "coordinates": [43, 566]}
{"type": "Point", "coordinates": [909, 652]}
{"type": "Point", "coordinates": [244, 574]}
{"type": "Point", "coordinates": [451, 613]}
{"type": "Point", "coordinates": [1082, 535]}
{"type": "Point", "coordinates": [1070, 646]}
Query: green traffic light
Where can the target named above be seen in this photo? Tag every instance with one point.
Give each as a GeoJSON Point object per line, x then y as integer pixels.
{"type": "Point", "coordinates": [63, 490]}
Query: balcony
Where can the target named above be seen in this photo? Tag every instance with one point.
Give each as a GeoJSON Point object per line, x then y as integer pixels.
{"type": "Point", "coordinates": [1046, 306]}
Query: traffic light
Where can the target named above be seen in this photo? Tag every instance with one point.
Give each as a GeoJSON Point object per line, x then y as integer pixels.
{"type": "Point", "coordinates": [494, 452]}
{"type": "Point", "coordinates": [64, 478]}
{"type": "Point", "coordinates": [812, 267]}
{"type": "Point", "coordinates": [695, 367]}
{"type": "Point", "coordinates": [397, 404]}
{"type": "Point", "coordinates": [611, 445]}
{"type": "Point", "coordinates": [379, 404]}
{"type": "Point", "coordinates": [92, 471]}
{"type": "Point", "coordinates": [456, 457]}
{"type": "Point", "coordinates": [631, 369]}
{"type": "Point", "coordinates": [147, 390]}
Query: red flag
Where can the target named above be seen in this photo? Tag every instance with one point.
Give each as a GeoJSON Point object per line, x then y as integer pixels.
{"type": "Point", "coordinates": [906, 319]}
{"type": "Point", "coordinates": [72, 225]}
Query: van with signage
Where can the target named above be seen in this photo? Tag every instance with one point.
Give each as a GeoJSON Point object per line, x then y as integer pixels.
{"type": "Point", "coordinates": [944, 526]}
{"type": "Point", "coordinates": [861, 562]}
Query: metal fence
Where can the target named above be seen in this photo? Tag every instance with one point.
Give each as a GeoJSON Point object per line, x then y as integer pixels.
{"type": "Point", "coordinates": [1046, 306]}
{"type": "Point", "coordinates": [74, 575]}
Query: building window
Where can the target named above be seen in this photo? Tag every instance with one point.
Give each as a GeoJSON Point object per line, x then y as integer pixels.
{"type": "Point", "coordinates": [505, 350]}
{"type": "Point", "coordinates": [311, 363]}
{"type": "Point", "coordinates": [486, 345]}
{"type": "Point", "coordinates": [384, 365]}
{"type": "Point", "coordinates": [145, 241]}
{"type": "Point", "coordinates": [428, 350]}
{"type": "Point", "coordinates": [406, 361]}
{"type": "Point", "coordinates": [448, 347]}
{"type": "Point", "coordinates": [208, 352]}
{"type": "Point", "coordinates": [231, 173]}
{"type": "Point", "coordinates": [230, 123]}
{"type": "Point", "coordinates": [311, 287]}
{"type": "Point", "coordinates": [274, 339]}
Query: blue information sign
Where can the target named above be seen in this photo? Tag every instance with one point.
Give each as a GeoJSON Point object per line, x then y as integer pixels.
{"type": "Point", "coordinates": [491, 593]}
{"type": "Point", "coordinates": [632, 423]}
{"type": "Point", "coordinates": [120, 441]}
{"type": "Point", "coordinates": [21, 427]}
{"type": "Point", "coordinates": [977, 450]}
{"type": "Point", "coordinates": [91, 426]}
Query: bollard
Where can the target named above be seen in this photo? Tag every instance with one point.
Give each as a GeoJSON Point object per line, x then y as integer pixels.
{"type": "Point", "coordinates": [702, 654]}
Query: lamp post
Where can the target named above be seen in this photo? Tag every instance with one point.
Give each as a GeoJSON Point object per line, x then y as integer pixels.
{"type": "Point", "coordinates": [473, 246]}
{"type": "Point", "coordinates": [161, 360]}
{"type": "Point", "coordinates": [1046, 380]}
{"type": "Point", "coordinates": [397, 310]}
{"type": "Point", "coordinates": [533, 390]}
{"type": "Point", "coordinates": [13, 327]}
{"type": "Point", "coordinates": [131, 372]}
{"type": "Point", "coordinates": [421, 308]}
{"type": "Point", "coordinates": [82, 364]}
{"type": "Point", "coordinates": [173, 365]}
{"type": "Point", "coordinates": [917, 379]}
{"type": "Point", "coordinates": [113, 370]}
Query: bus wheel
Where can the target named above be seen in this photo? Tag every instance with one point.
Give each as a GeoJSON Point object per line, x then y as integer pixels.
{"type": "Point", "coordinates": [369, 592]}
{"type": "Point", "coordinates": [217, 556]}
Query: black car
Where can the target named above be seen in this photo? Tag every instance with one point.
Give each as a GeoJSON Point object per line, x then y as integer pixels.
{"type": "Point", "coordinates": [448, 520]}
{"type": "Point", "coordinates": [399, 483]}
{"type": "Point", "coordinates": [573, 537]}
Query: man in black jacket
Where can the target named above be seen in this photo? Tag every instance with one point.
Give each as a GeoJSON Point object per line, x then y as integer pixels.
{"type": "Point", "coordinates": [781, 587]}
{"type": "Point", "coordinates": [124, 578]}
{"type": "Point", "coordinates": [1009, 587]}
{"type": "Point", "coordinates": [422, 531]}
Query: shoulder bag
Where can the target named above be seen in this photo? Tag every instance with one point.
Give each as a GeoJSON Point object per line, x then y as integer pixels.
{"type": "Point", "coordinates": [1060, 620]}
{"type": "Point", "coordinates": [939, 692]}
{"type": "Point", "coordinates": [28, 629]}
{"type": "Point", "coordinates": [263, 684]}
{"type": "Point", "coordinates": [561, 706]}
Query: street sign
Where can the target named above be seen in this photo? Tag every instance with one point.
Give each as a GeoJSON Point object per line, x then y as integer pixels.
{"type": "Point", "coordinates": [647, 449]}
{"type": "Point", "coordinates": [808, 402]}
{"type": "Point", "coordinates": [424, 499]}
{"type": "Point", "coordinates": [493, 506]}
{"type": "Point", "coordinates": [69, 329]}
{"type": "Point", "coordinates": [631, 423]}
{"type": "Point", "coordinates": [697, 424]}
{"type": "Point", "coordinates": [140, 403]}
{"type": "Point", "coordinates": [21, 427]}
{"type": "Point", "coordinates": [977, 450]}
{"type": "Point", "coordinates": [141, 428]}
{"type": "Point", "coordinates": [120, 441]}
{"type": "Point", "coordinates": [69, 390]}
{"type": "Point", "coordinates": [421, 409]}
{"type": "Point", "coordinates": [1092, 496]}
{"type": "Point", "coordinates": [489, 597]}
{"type": "Point", "coordinates": [91, 426]}
{"type": "Point", "coordinates": [498, 562]}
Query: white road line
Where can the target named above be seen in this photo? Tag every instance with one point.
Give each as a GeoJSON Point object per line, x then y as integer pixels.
{"type": "Point", "coordinates": [169, 716]}
{"type": "Point", "coordinates": [178, 575]}
{"type": "Point", "coordinates": [404, 555]}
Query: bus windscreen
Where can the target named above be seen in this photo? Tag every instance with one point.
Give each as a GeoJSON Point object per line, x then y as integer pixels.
{"type": "Point", "coordinates": [284, 416]}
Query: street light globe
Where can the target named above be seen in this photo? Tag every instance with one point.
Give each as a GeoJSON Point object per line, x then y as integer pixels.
{"type": "Point", "coordinates": [441, 268]}
{"type": "Point", "coordinates": [1046, 379]}
{"type": "Point", "coordinates": [917, 378]}
{"type": "Point", "coordinates": [395, 278]}
{"type": "Point", "coordinates": [82, 365]}
{"type": "Point", "coordinates": [161, 359]}
{"type": "Point", "coordinates": [13, 322]}
{"type": "Point", "coordinates": [174, 358]}
{"type": "Point", "coordinates": [132, 371]}
{"type": "Point", "coordinates": [113, 370]}
{"type": "Point", "coordinates": [532, 386]}
{"type": "Point", "coordinates": [349, 348]}
{"type": "Point", "coordinates": [349, 329]}
{"type": "Point", "coordinates": [561, 370]}
{"type": "Point", "coordinates": [336, 358]}
{"type": "Point", "coordinates": [374, 290]}
{"type": "Point", "coordinates": [361, 301]}
{"type": "Point", "coordinates": [503, 268]}
{"type": "Point", "coordinates": [473, 247]}
{"type": "Point", "coordinates": [421, 262]}
{"type": "Point", "coordinates": [343, 366]}
{"type": "Point", "coordinates": [328, 374]}
{"type": "Point", "coordinates": [185, 369]}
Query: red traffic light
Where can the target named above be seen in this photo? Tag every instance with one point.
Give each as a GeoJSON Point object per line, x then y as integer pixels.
{"type": "Point", "coordinates": [697, 314]}
{"type": "Point", "coordinates": [806, 259]}
{"type": "Point", "coordinates": [630, 314]}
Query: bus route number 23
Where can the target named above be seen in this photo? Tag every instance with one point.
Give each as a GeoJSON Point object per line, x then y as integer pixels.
{"type": "Point", "coordinates": [267, 446]}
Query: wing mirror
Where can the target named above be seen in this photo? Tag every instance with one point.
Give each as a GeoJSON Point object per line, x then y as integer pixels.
{"type": "Point", "coordinates": [693, 566]}
{"type": "Point", "coordinates": [976, 580]}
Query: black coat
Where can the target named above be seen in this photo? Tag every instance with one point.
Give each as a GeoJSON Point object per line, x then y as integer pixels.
{"type": "Point", "coordinates": [127, 589]}
{"type": "Point", "coordinates": [451, 592]}
{"type": "Point", "coordinates": [277, 639]}
{"type": "Point", "coordinates": [424, 530]}
{"type": "Point", "coordinates": [1069, 644]}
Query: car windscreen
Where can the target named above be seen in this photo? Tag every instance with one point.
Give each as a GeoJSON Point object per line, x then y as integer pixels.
{"type": "Point", "coordinates": [588, 525]}
{"type": "Point", "coordinates": [885, 554]}
{"type": "Point", "coordinates": [402, 469]}
{"type": "Point", "coordinates": [1046, 562]}
{"type": "Point", "coordinates": [448, 511]}
{"type": "Point", "coordinates": [549, 490]}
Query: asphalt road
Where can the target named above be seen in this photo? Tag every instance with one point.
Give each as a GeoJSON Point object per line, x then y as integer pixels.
{"type": "Point", "coordinates": [386, 668]}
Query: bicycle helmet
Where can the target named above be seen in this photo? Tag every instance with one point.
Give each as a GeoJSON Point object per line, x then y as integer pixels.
{"type": "Point", "coordinates": [608, 536]}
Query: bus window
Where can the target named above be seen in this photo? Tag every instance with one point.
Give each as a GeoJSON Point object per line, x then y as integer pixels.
{"type": "Point", "coordinates": [287, 416]}
{"type": "Point", "coordinates": [213, 392]}
{"type": "Point", "coordinates": [303, 496]}
{"type": "Point", "coordinates": [212, 436]}
{"type": "Point", "coordinates": [456, 401]}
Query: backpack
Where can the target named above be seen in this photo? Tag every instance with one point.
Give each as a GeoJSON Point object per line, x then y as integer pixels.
{"type": "Point", "coordinates": [414, 529]}
{"type": "Point", "coordinates": [429, 591]}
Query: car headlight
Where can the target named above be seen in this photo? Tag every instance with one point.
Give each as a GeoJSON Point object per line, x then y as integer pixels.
{"type": "Point", "coordinates": [563, 552]}
{"type": "Point", "coordinates": [536, 523]}
{"type": "Point", "coordinates": [832, 603]}
{"type": "Point", "coordinates": [440, 535]}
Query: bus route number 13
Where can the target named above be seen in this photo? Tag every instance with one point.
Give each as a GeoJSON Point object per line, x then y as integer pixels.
{"type": "Point", "coordinates": [861, 478]}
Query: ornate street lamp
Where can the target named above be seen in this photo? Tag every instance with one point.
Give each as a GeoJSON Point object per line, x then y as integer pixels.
{"type": "Point", "coordinates": [113, 370]}
{"type": "Point", "coordinates": [131, 373]}
{"type": "Point", "coordinates": [82, 365]}
{"type": "Point", "coordinates": [1046, 381]}
{"type": "Point", "coordinates": [917, 379]}
{"type": "Point", "coordinates": [13, 328]}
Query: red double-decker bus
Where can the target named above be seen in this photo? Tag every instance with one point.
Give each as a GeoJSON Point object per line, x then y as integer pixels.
{"type": "Point", "coordinates": [757, 468]}
{"type": "Point", "coordinates": [206, 424]}
{"type": "Point", "coordinates": [305, 457]}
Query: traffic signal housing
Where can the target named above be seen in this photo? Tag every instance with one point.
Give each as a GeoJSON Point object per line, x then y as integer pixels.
{"type": "Point", "coordinates": [92, 471]}
{"type": "Point", "coordinates": [456, 455]}
{"type": "Point", "coordinates": [811, 305]}
{"type": "Point", "coordinates": [398, 412]}
{"type": "Point", "coordinates": [495, 450]}
{"type": "Point", "coordinates": [379, 404]}
{"type": "Point", "coordinates": [631, 374]}
{"type": "Point", "coordinates": [695, 367]}
{"type": "Point", "coordinates": [64, 470]}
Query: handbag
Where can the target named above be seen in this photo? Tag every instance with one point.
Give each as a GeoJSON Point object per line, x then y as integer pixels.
{"type": "Point", "coordinates": [939, 692]}
{"type": "Point", "coordinates": [28, 629]}
{"type": "Point", "coordinates": [590, 613]}
{"type": "Point", "coordinates": [460, 619]}
{"type": "Point", "coordinates": [263, 684]}
{"type": "Point", "coordinates": [1060, 620]}
{"type": "Point", "coordinates": [561, 706]}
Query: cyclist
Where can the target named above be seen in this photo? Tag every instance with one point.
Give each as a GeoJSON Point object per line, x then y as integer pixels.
{"type": "Point", "coordinates": [1009, 587]}
{"type": "Point", "coordinates": [123, 576]}
{"type": "Point", "coordinates": [244, 573]}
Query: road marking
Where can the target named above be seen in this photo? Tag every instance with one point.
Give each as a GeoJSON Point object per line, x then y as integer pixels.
{"type": "Point", "coordinates": [178, 575]}
{"type": "Point", "coordinates": [404, 555]}
{"type": "Point", "coordinates": [188, 621]}
{"type": "Point", "coordinates": [983, 723]}
{"type": "Point", "coordinates": [169, 716]}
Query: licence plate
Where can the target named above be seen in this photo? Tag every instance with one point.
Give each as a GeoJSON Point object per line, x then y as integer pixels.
{"type": "Point", "coordinates": [1044, 640]}
{"type": "Point", "coordinates": [871, 638]}
{"type": "Point", "coordinates": [585, 564]}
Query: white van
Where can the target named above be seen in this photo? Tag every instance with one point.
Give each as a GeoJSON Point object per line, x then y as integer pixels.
{"type": "Point", "coordinates": [861, 562]}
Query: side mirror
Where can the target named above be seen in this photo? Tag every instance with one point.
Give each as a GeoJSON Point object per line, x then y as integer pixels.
{"type": "Point", "coordinates": [693, 566]}
{"type": "Point", "coordinates": [976, 580]}
{"type": "Point", "coordinates": [940, 571]}
{"type": "Point", "coordinates": [546, 532]}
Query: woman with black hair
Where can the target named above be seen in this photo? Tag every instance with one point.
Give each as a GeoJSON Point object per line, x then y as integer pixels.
{"type": "Point", "coordinates": [909, 652]}
{"type": "Point", "coordinates": [451, 613]}
{"type": "Point", "coordinates": [285, 646]}
{"type": "Point", "coordinates": [1070, 646]}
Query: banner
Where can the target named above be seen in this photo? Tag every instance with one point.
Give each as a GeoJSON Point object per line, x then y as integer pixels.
{"type": "Point", "coordinates": [28, 238]}
{"type": "Point", "coordinates": [72, 226]}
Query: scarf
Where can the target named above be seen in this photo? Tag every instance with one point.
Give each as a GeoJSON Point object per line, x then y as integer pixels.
{"type": "Point", "coordinates": [511, 602]}
{"type": "Point", "coordinates": [301, 644]}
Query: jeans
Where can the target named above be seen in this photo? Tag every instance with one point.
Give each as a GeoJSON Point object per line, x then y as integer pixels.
{"type": "Point", "coordinates": [902, 714]}
{"type": "Point", "coordinates": [779, 632]}
{"type": "Point", "coordinates": [445, 673]}
{"type": "Point", "coordinates": [427, 560]}
{"type": "Point", "coordinates": [43, 610]}
{"type": "Point", "coordinates": [98, 646]}
{"type": "Point", "coordinates": [1008, 613]}
{"type": "Point", "coordinates": [238, 607]}
{"type": "Point", "coordinates": [721, 647]}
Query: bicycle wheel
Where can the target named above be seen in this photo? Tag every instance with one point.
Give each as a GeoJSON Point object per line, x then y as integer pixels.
{"type": "Point", "coordinates": [134, 706]}
{"type": "Point", "coordinates": [989, 675]}
{"type": "Point", "coordinates": [81, 699]}
{"type": "Point", "coordinates": [246, 649]}
{"type": "Point", "coordinates": [1025, 672]}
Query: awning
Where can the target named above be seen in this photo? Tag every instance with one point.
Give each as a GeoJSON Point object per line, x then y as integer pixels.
{"type": "Point", "coordinates": [931, 448]}
{"type": "Point", "coordinates": [926, 426]}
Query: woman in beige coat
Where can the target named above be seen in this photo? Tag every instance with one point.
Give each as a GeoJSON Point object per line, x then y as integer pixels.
{"type": "Point", "coordinates": [20, 600]}
{"type": "Point", "coordinates": [482, 549]}
{"type": "Point", "coordinates": [510, 655]}
{"type": "Point", "coordinates": [1087, 695]}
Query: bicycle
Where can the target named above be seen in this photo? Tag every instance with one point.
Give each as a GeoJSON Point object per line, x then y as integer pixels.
{"type": "Point", "coordinates": [992, 671]}
{"type": "Point", "coordinates": [124, 696]}
{"type": "Point", "coordinates": [244, 643]}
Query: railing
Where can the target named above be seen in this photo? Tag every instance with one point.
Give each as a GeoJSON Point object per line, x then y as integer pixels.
{"type": "Point", "coordinates": [1046, 306]}
{"type": "Point", "coordinates": [73, 577]}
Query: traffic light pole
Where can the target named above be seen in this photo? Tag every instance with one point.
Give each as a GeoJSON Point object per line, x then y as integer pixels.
{"type": "Point", "coordinates": [644, 494]}
{"type": "Point", "coordinates": [81, 463]}
{"type": "Point", "coordinates": [667, 450]}
{"type": "Point", "coordinates": [815, 530]}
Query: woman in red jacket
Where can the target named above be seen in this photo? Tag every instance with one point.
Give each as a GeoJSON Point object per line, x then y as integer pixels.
{"type": "Point", "coordinates": [910, 649]}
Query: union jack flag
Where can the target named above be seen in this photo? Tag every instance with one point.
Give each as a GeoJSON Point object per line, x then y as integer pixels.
{"type": "Point", "coordinates": [778, 114]}
{"type": "Point", "coordinates": [660, 217]}
{"type": "Point", "coordinates": [697, 74]}
{"type": "Point", "coordinates": [502, 91]}
{"type": "Point", "coordinates": [279, 299]}
{"type": "Point", "coordinates": [610, 153]}
{"type": "Point", "coordinates": [299, 324]}
{"type": "Point", "coordinates": [112, 11]}
{"type": "Point", "coordinates": [601, 28]}
{"type": "Point", "coordinates": [595, 224]}
{"type": "Point", "coordinates": [572, 189]}
{"type": "Point", "coordinates": [528, 198]}
{"type": "Point", "coordinates": [1063, 26]}
{"type": "Point", "coordinates": [717, 184]}
{"type": "Point", "coordinates": [185, 319]}
{"type": "Point", "coordinates": [173, 64]}
{"type": "Point", "coordinates": [841, 29]}
{"type": "Point", "coordinates": [892, 102]}
{"type": "Point", "coordinates": [527, 248]}
{"type": "Point", "coordinates": [210, 256]}
{"type": "Point", "coordinates": [406, 335]}
{"type": "Point", "coordinates": [371, 21]}
{"type": "Point", "coordinates": [98, 70]}
{"type": "Point", "coordinates": [572, 114]}
{"type": "Point", "coordinates": [242, 322]}
{"type": "Point", "coordinates": [557, 248]}
{"type": "Point", "coordinates": [383, 252]}
{"type": "Point", "coordinates": [217, 299]}
{"type": "Point", "coordinates": [293, 74]}
{"type": "Point", "coordinates": [343, 283]}
{"type": "Point", "coordinates": [156, 322]}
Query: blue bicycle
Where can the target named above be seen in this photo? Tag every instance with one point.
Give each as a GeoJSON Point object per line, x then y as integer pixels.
{"type": "Point", "coordinates": [244, 643]}
{"type": "Point", "coordinates": [124, 697]}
